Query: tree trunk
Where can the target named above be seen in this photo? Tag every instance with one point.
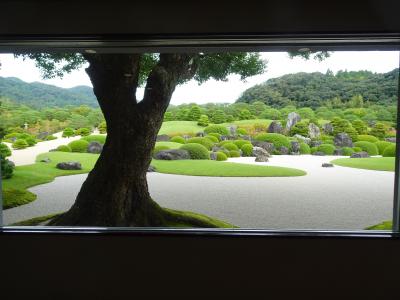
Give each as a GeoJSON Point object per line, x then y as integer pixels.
{"type": "Point", "coordinates": [115, 192]}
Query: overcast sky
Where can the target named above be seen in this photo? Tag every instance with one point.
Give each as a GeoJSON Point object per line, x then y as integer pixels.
{"type": "Point", "coordinates": [213, 91]}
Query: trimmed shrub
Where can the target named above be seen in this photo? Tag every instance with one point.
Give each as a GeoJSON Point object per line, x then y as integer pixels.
{"type": "Point", "coordinates": [68, 132]}
{"type": "Point", "coordinates": [367, 138]}
{"type": "Point", "coordinates": [31, 141]}
{"type": "Point", "coordinates": [230, 146]}
{"type": "Point", "coordinates": [390, 151]}
{"type": "Point", "coordinates": [222, 130]}
{"type": "Point", "coordinates": [234, 153]}
{"type": "Point", "coordinates": [20, 144]}
{"type": "Point", "coordinates": [357, 149]}
{"type": "Point", "coordinates": [313, 149]}
{"type": "Point", "coordinates": [381, 145]}
{"type": "Point", "coordinates": [159, 148]}
{"type": "Point", "coordinates": [304, 148]}
{"type": "Point", "coordinates": [64, 148]}
{"type": "Point", "coordinates": [221, 156]}
{"type": "Point", "coordinates": [240, 143]}
{"type": "Point", "coordinates": [196, 151]}
{"type": "Point", "coordinates": [82, 131]}
{"type": "Point", "coordinates": [12, 135]}
{"type": "Point", "coordinates": [247, 150]}
{"type": "Point", "coordinates": [103, 127]}
{"type": "Point", "coordinates": [277, 139]}
{"type": "Point", "coordinates": [178, 139]}
{"type": "Point", "coordinates": [79, 146]}
{"type": "Point", "coordinates": [50, 138]}
{"type": "Point", "coordinates": [4, 150]}
{"type": "Point", "coordinates": [7, 168]}
{"type": "Point", "coordinates": [202, 141]}
{"type": "Point", "coordinates": [368, 147]}
{"type": "Point", "coordinates": [212, 138]}
{"type": "Point", "coordinates": [241, 131]}
{"type": "Point", "coordinates": [347, 151]}
{"type": "Point", "coordinates": [328, 149]}
{"type": "Point", "coordinates": [217, 135]}
{"type": "Point", "coordinates": [300, 128]}
{"type": "Point", "coordinates": [95, 138]}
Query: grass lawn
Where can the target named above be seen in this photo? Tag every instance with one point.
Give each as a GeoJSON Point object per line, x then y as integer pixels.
{"type": "Point", "coordinates": [180, 128]}
{"type": "Point", "coordinates": [222, 169]}
{"type": "Point", "coordinates": [171, 145]}
{"type": "Point", "coordinates": [370, 163]}
{"type": "Point", "coordinates": [386, 225]}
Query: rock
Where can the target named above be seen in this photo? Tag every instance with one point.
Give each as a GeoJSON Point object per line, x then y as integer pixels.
{"type": "Point", "coordinates": [42, 135]}
{"type": "Point", "coordinates": [200, 134]}
{"type": "Point", "coordinates": [295, 146]}
{"type": "Point", "coordinates": [275, 127]}
{"type": "Point", "coordinates": [186, 137]}
{"type": "Point", "coordinates": [10, 163]}
{"type": "Point", "coordinates": [258, 151]}
{"type": "Point", "coordinates": [391, 139]}
{"type": "Point", "coordinates": [172, 154]}
{"type": "Point", "coordinates": [216, 149]}
{"type": "Point", "coordinates": [313, 131]}
{"type": "Point", "coordinates": [343, 140]}
{"type": "Point", "coordinates": [319, 153]}
{"type": "Point", "coordinates": [338, 151]}
{"type": "Point", "coordinates": [94, 147]}
{"type": "Point", "coordinates": [163, 138]}
{"type": "Point", "coordinates": [265, 145]}
{"type": "Point", "coordinates": [46, 160]}
{"type": "Point", "coordinates": [13, 139]}
{"type": "Point", "coordinates": [213, 155]}
{"type": "Point", "coordinates": [315, 143]}
{"type": "Point", "coordinates": [327, 165]}
{"type": "Point", "coordinates": [283, 150]}
{"type": "Point", "coordinates": [246, 137]}
{"type": "Point", "coordinates": [292, 119]}
{"type": "Point", "coordinates": [327, 128]}
{"type": "Point", "coordinates": [232, 129]}
{"type": "Point", "coordinates": [69, 165]}
{"type": "Point", "coordinates": [227, 137]}
{"type": "Point", "coordinates": [302, 138]}
{"type": "Point", "coordinates": [152, 169]}
{"type": "Point", "coordinates": [361, 154]}
{"type": "Point", "coordinates": [261, 158]}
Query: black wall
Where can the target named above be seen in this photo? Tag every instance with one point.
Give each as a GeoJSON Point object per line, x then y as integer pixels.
{"type": "Point", "coordinates": [137, 266]}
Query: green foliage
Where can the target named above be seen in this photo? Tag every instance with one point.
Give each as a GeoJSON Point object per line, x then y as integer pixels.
{"type": "Point", "coordinates": [7, 168]}
{"type": "Point", "coordinates": [245, 114]}
{"type": "Point", "coordinates": [367, 138]}
{"type": "Point", "coordinates": [241, 131]}
{"type": "Point", "coordinates": [194, 113]}
{"type": "Point", "coordinates": [328, 149]}
{"type": "Point", "coordinates": [217, 135]}
{"type": "Point", "coordinates": [304, 148]}
{"type": "Point", "coordinates": [203, 121]}
{"type": "Point", "coordinates": [102, 127]}
{"type": "Point", "coordinates": [230, 146]}
{"type": "Point", "coordinates": [247, 150]}
{"type": "Point", "coordinates": [50, 138]}
{"type": "Point", "coordinates": [360, 126]}
{"type": "Point", "coordinates": [159, 148]}
{"type": "Point", "coordinates": [313, 150]}
{"type": "Point", "coordinates": [178, 139]}
{"type": "Point", "coordinates": [68, 132]}
{"type": "Point", "coordinates": [240, 143]}
{"type": "Point", "coordinates": [20, 144]}
{"type": "Point", "coordinates": [196, 151]}
{"type": "Point", "coordinates": [222, 130]}
{"type": "Point", "coordinates": [347, 151]}
{"type": "Point", "coordinates": [390, 151]}
{"type": "Point", "coordinates": [368, 147]}
{"type": "Point", "coordinates": [277, 139]}
{"type": "Point", "coordinates": [15, 197]}
{"type": "Point", "coordinates": [79, 146]}
{"type": "Point", "coordinates": [202, 141]}
{"type": "Point", "coordinates": [83, 131]}
{"type": "Point", "coordinates": [95, 138]}
{"type": "Point", "coordinates": [31, 141]}
{"type": "Point", "coordinates": [379, 130]}
{"type": "Point", "coordinates": [381, 145]}
{"type": "Point", "coordinates": [300, 128]}
{"type": "Point", "coordinates": [64, 148]}
{"type": "Point", "coordinates": [218, 117]}
{"type": "Point", "coordinates": [4, 150]}
{"type": "Point", "coordinates": [234, 153]}
{"type": "Point", "coordinates": [221, 156]}
{"type": "Point", "coordinates": [357, 149]}
{"type": "Point", "coordinates": [212, 138]}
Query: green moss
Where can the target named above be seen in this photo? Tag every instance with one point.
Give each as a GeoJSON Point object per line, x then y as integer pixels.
{"type": "Point", "coordinates": [16, 197]}
{"type": "Point", "coordinates": [369, 163]}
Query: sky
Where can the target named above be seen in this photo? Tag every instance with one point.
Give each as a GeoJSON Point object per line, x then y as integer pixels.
{"type": "Point", "coordinates": [278, 64]}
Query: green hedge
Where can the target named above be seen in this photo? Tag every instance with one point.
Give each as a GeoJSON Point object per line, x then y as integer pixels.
{"type": "Point", "coordinates": [367, 138]}
{"type": "Point", "coordinates": [95, 138]}
{"type": "Point", "coordinates": [328, 149]}
{"type": "Point", "coordinates": [196, 151]}
{"type": "Point", "coordinates": [202, 141]}
{"type": "Point", "coordinates": [79, 146]}
{"type": "Point", "coordinates": [277, 139]}
{"type": "Point", "coordinates": [304, 148]}
{"type": "Point", "coordinates": [381, 145]}
{"type": "Point", "coordinates": [357, 149]}
{"type": "Point", "coordinates": [240, 143]}
{"type": "Point", "coordinates": [390, 151]}
{"type": "Point", "coordinates": [178, 139]}
{"type": "Point", "coordinates": [221, 156]}
{"type": "Point", "coordinates": [64, 148]}
{"type": "Point", "coordinates": [20, 144]}
{"type": "Point", "coordinates": [230, 146]}
{"type": "Point", "coordinates": [234, 153]}
{"type": "Point", "coordinates": [247, 150]}
{"type": "Point", "coordinates": [368, 147]}
{"type": "Point", "coordinates": [158, 148]}
{"type": "Point", "coordinates": [222, 130]}
{"type": "Point", "coordinates": [347, 151]}
{"type": "Point", "coordinates": [212, 138]}
{"type": "Point", "coordinates": [217, 135]}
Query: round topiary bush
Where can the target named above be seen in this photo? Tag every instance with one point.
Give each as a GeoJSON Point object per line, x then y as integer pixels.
{"type": "Point", "coordinates": [64, 148]}
{"type": "Point", "coordinates": [367, 138]}
{"type": "Point", "coordinates": [357, 149]}
{"type": "Point", "coordinates": [83, 131]}
{"type": "Point", "coordinates": [68, 132]}
{"type": "Point", "coordinates": [390, 151]}
{"type": "Point", "coordinates": [4, 150]}
{"type": "Point", "coordinates": [381, 145]}
{"type": "Point", "coordinates": [159, 148]}
{"type": "Point", "coordinates": [31, 141]}
{"type": "Point", "coordinates": [222, 130]}
{"type": "Point", "coordinates": [20, 144]}
{"type": "Point", "coordinates": [230, 146]}
{"type": "Point", "coordinates": [79, 146]}
{"type": "Point", "coordinates": [313, 149]}
{"type": "Point", "coordinates": [95, 138]}
{"type": "Point", "coordinates": [217, 135]}
{"type": "Point", "coordinates": [221, 156]}
{"type": "Point", "coordinates": [304, 148]}
{"type": "Point", "coordinates": [178, 139]}
{"type": "Point", "coordinates": [240, 143]}
{"type": "Point", "coordinates": [368, 147]}
{"type": "Point", "coordinates": [212, 138]}
{"type": "Point", "coordinates": [347, 151]}
{"type": "Point", "coordinates": [241, 131]}
{"type": "Point", "coordinates": [279, 140]}
{"type": "Point", "coordinates": [234, 153]}
{"type": "Point", "coordinates": [247, 150]}
{"type": "Point", "coordinates": [50, 138]}
{"type": "Point", "coordinates": [328, 149]}
{"type": "Point", "coordinates": [202, 141]}
{"type": "Point", "coordinates": [196, 151]}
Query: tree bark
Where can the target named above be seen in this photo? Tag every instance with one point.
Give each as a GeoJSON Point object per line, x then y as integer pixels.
{"type": "Point", "coordinates": [115, 192]}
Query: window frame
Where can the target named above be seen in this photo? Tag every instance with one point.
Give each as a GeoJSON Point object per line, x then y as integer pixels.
{"type": "Point", "coordinates": [198, 43]}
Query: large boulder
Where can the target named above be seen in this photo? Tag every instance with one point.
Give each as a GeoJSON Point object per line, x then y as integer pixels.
{"type": "Point", "coordinates": [213, 155]}
{"type": "Point", "coordinates": [391, 139]}
{"type": "Point", "coordinates": [313, 131]}
{"type": "Point", "coordinates": [327, 128]}
{"type": "Point", "coordinates": [319, 153]}
{"type": "Point", "coordinates": [295, 146]}
{"type": "Point", "coordinates": [293, 119]}
{"type": "Point", "coordinates": [69, 165]}
{"type": "Point", "coordinates": [94, 147]}
{"type": "Point", "coordinates": [269, 147]}
{"type": "Point", "coordinates": [275, 127]}
{"type": "Point", "coordinates": [338, 151]}
{"type": "Point", "coordinates": [302, 138]}
{"type": "Point", "coordinates": [172, 154]}
{"type": "Point", "coordinates": [343, 140]}
{"type": "Point", "coordinates": [361, 154]}
{"type": "Point", "coordinates": [232, 129]}
{"type": "Point", "coordinates": [261, 158]}
{"type": "Point", "coordinates": [283, 150]}
{"type": "Point", "coordinates": [327, 165]}
{"type": "Point", "coordinates": [152, 169]}
{"type": "Point", "coordinates": [315, 143]}
{"type": "Point", "coordinates": [258, 151]}
{"type": "Point", "coordinates": [200, 134]}
{"type": "Point", "coordinates": [163, 138]}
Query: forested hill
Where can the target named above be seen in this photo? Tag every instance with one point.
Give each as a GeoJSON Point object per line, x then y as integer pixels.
{"type": "Point", "coordinates": [317, 89]}
{"type": "Point", "coordinates": [40, 95]}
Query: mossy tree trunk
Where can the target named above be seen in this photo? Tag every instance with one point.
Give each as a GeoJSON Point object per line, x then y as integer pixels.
{"type": "Point", "coordinates": [115, 192]}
